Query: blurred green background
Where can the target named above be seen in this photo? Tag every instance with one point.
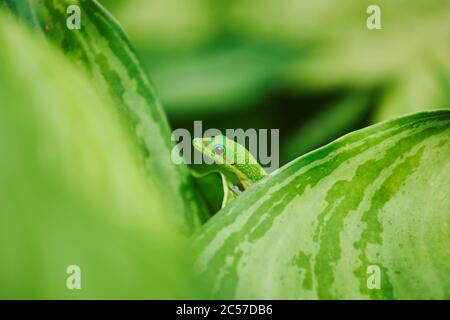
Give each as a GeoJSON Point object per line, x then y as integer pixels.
{"type": "Point", "coordinates": [311, 68]}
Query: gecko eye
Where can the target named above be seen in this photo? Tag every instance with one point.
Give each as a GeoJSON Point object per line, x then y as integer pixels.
{"type": "Point", "coordinates": [219, 149]}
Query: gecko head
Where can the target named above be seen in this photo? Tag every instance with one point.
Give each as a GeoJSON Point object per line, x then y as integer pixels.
{"type": "Point", "coordinates": [219, 148]}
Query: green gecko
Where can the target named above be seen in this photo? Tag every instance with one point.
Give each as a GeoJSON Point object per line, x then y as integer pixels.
{"type": "Point", "coordinates": [238, 168]}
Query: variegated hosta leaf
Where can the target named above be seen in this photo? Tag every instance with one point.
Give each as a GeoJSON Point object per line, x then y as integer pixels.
{"type": "Point", "coordinates": [373, 203]}
{"type": "Point", "coordinates": [102, 47]}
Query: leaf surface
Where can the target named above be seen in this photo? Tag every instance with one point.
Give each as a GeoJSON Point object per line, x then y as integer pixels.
{"type": "Point", "coordinates": [72, 188]}
{"type": "Point", "coordinates": [314, 228]}
{"type": "Point", "coordinates": [101, 47]}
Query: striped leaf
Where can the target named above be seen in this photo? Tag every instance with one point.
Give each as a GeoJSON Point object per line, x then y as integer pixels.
{"type": "Point", "coordinates": [371, 206]}
{"type": "Point", "coordinates": [67, 197]}
{"type": "Point", "coordinates": [104, 50]}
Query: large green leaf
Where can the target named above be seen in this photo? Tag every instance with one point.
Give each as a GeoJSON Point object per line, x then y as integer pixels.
{"type": "Point", "coordinates": [379, 196]}
{"type": "Point", "coordinates": [72, 188]}
{"type": "Point", "coordinates": [102, 47]}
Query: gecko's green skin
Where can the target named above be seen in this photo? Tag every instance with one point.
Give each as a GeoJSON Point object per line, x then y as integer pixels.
{"type": "Point", "coordinates": [238, 167]}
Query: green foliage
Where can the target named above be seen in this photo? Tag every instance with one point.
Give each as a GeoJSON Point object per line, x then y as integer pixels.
{"type": "Point", "coordinates": [103, 49]}
{"type": "Point", "coordinates": [284, 53]}
{"type": "Point", "coordinates": [311, 230]}
{"type": "Point", "coordinates": [86, 176]}
{"type": "Point", "coordinates": [326, 126]}
{"type": "Point", "coordinates": [330, 43]}
{"type": "Point", "coordinates": [73, 190]}
{"type": "Point", "coordinates": [219, 78]}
